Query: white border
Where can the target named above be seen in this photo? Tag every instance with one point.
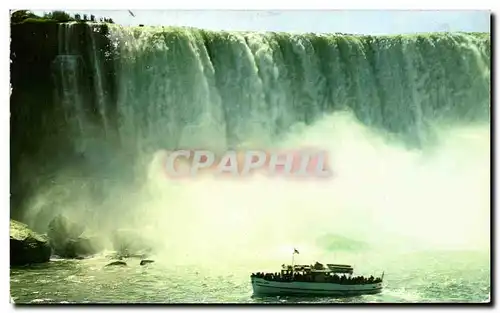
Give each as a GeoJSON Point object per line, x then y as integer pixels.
{"type": "Point", "coordinates": [184, 4]}
{"type": "Point", "coordinates": [260, 5]}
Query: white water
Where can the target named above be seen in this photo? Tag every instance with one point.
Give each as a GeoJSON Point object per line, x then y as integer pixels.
{"type": "Point", "coordinates": [404, 119]}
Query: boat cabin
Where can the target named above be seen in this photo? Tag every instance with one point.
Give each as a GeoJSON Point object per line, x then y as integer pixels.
{"type": "Point", "coordinates": [317, 272]}
{"type": "Point", "coordinates": [332, 273]}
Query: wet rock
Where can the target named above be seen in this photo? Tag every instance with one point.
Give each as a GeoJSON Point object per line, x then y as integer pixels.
{"type": "Point", "coordinates": [117, 263]}
{"type": "Point", "coordinates": [79, 248]}
{"type": "Point", "coordinates": [26, 246]}
{"type": "Point", "coordinates": [61, 228]}
{"type": "Point", "coordinates": [144, 262]}
{"type": "Point", "coordinates": [68, 239]}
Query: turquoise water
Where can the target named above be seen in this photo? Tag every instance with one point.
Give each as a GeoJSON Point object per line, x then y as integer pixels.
{"type": "Point", "coordinates": [410, 278]}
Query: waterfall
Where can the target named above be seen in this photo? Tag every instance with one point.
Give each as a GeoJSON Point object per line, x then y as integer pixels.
{"type": "Point", "coordinates": [68, 73]}
{"type": "Point", "coordinates": [186, 87]}
{"type": "Point", "coordinates": [183, 87]}
{"type": "Point", "coordinates": [131, 92]}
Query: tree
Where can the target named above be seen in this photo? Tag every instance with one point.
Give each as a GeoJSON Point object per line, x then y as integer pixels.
{"type": "Point", "coordinates": [59, 16]}
{"type": "Point", "coordinates": [20, 15]}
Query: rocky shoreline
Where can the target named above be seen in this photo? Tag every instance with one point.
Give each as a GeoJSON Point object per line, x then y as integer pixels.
{"type": "Point", "coordinates": [66, 239]}
{"type": "Point", "coordinates": [26, 246]}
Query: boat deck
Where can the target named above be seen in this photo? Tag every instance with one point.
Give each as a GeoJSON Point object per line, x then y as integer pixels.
{"type": "Point", "coordinates": [266, 287]}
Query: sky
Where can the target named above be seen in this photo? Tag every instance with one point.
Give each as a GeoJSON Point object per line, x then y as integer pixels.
{"type": "Point", "coordinates": [318, 21]}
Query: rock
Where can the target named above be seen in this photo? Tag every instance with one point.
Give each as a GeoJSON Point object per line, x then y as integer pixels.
{"type": "Point", "coordinates": [61, 228]}
{"type": "Point", "coordinates": [68, 239]}
{"type": "Point", "coordinates": [26, 246]}
{"type": "Point", "coordinates": [78, 248]}
{"type": "Point", "coordinates": [117, 263]}
{"type": "Point", "coordinates": [62, 234]}
{"type": "Point", "coordinates": [144, 262]}
{"type": "Point", "coordinates": [89, 245]}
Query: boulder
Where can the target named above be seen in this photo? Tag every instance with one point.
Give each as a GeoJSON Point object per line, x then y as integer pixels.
{"type": "Point", "coordinates": [117, 263]}
{"type": "Point", "coordinates": [61, 229]}
{"type": "Point", "coordinates": [26, 246]}
{"type": "Point", "coordinates": [68, 239]}
{"type": "Point", "coordinates": [88, 245]}
{"type": "Point", "coordinates": [144, 262]}
{"type": "Point", "coordinates": [78, 248]}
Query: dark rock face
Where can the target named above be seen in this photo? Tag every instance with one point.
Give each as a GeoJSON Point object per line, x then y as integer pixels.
{"type": "Point", "coordinates": [68, 240]}
{"type": "Point", "coordinates": [35, 102]}
{"type": "Point", "coordinates": [26, 246]}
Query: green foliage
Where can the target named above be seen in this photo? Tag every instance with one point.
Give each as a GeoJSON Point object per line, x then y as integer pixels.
{"type": "Point", "coordinates": [38, 20]}
{"type": "Point", "coordinates": [59, 16]}
{"type": "Point", "coordinates": [25, 16]}
{"type": "Point", "coordinates": [21, 15]}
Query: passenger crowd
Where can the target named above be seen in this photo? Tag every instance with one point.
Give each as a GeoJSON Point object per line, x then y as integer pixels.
{"type": "Point", "coordinates": [326, 278]}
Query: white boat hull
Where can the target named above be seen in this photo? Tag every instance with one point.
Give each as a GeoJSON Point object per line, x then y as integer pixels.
{"type": "Point", "coordinates": [265, 287]}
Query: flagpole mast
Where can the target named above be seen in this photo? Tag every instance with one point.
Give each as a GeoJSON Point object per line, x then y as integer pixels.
{"type": "Point", "coordinates": [293, 260]}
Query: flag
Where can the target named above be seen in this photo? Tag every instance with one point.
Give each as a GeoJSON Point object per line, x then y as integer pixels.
{"type": "Point", "coordinates": [295, 251]}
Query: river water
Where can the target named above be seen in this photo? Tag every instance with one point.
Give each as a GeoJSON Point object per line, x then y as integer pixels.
{"type": "Point", "coordinates": [409, 277]}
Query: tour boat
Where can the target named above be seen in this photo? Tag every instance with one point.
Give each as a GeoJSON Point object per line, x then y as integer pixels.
{"type": "Point", "coordinates": [333, 280]}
